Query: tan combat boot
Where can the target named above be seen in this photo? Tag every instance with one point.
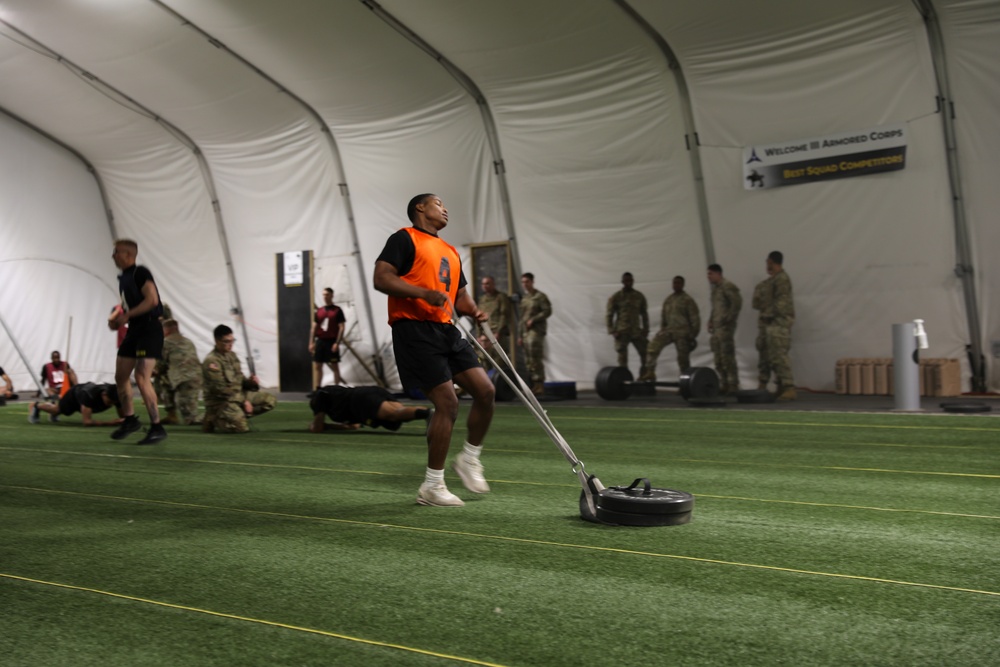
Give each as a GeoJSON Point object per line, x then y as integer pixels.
{"type": "Point", "coordinates": [171, 417]}
{"type": "Point", "coordinates": [787, 394]}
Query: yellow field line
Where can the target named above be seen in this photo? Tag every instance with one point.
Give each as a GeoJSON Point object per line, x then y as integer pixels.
{"type": "Point", "coordinates": [850, 507]}
{"type": "Point", "coordinates": [372, 472]}
{"type": "Point", "coordinates": [841, 468]}
{"type": "Point", "coordinates": [519, 540]}
{"type": "Point", "coordinates": [281, 466]}
{"type": "Point", "coordinates": [742, 422]}
{"type": "Point", "coordinates": [274, 624]}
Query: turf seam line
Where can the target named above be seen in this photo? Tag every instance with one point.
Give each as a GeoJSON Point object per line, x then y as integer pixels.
{"type": "Point", "coordinates": [276, 624]}
{"type": "Point", "coordinates": [372, 472]}
{"type": "Point", "coordinates": [524, 540]}
{"type": "Point", "coordinates": [852, 507]}
{"type": "Point", "coordinates": [774, 423]}
{"type": "Point", "coordinates": [492, 480]}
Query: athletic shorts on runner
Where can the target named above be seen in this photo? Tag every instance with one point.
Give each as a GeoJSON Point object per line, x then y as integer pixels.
{"type": "Point", "coordinates": [430, 353]}
{"type": "Point", "coordinates": [143, 341]}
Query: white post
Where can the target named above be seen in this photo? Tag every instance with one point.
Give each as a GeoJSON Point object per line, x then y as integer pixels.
{"type": "Point", "coordinates": [906, 367]}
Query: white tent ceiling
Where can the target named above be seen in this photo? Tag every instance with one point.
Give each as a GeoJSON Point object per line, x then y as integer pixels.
{"type": "Point", "coordinates": [231, 130]}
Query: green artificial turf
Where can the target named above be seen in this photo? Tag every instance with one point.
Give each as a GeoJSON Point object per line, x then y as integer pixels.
{"type": "Point", "coordinates": [817, 539]}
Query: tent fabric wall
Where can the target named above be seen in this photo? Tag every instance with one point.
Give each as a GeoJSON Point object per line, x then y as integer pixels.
{"type": "Point", "coordinates": [49, 275]}
{"type": "Point", "coordinates": [971, 29]}
{"type": "Point", "coordinates": [863, 253]}
{"type": "Point", "coordinates": [590, 127]}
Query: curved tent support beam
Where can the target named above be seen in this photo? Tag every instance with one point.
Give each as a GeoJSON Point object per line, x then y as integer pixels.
{"type": "Point", "coordinates": [334, 151]}
{"type": "Point", "coordinates": [129, 103]}
{"type": "Point", "coordinates": [489, 123]}
{"type": "Point", "coordinates": [964, 268]}
{"type": "Point", "coordinates": [690, 131]}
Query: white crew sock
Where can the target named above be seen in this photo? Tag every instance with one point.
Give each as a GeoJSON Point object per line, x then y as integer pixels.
{"type": "Point", "coordinates": [472, 450]}
{"type": "Point", "coordinates": [433, 476]}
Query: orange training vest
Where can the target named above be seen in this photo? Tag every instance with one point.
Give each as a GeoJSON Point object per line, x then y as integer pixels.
{"type": "Point", "coordinates": [436, 266]}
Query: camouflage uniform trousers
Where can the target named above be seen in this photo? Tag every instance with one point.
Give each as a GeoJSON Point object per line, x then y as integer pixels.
{"type": "Point", "coordinates": [164, 392]}
{"type": "Point", "coordinates": [641, 343]}
{"type": "Point", "coordinates": [185, 397]}
{"type": "Point", "coordinates": [494, 359]}
{"type": "Point", "coordinates": [534, 352]}
{"type": "Point", "coordinates": [664, 338]}
{"type": "Point", "coordinates": [778, 342]}
{"type": "Point", "coordinates": [724, 351]}
{"type": "Point", "coordinates": [228, 416]}
{"type": "Point", "coordinates": [763, 358]}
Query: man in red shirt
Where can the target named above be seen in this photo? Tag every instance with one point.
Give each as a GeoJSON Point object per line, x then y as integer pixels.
{"type": "Point", "coordinates": [324, 341]}
{"type": "Point", "coordinates": [54, 374]}
{"type": "Point", "coordinates": [422, 275]}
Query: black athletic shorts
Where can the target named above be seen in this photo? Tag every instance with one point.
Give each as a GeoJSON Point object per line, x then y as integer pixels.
{"type": "Point", "coordinates": [324, 353]}
{"type": "Point", "coordinates": [144, 340]}
{"type": "Point", "coordinates": [430, 353]}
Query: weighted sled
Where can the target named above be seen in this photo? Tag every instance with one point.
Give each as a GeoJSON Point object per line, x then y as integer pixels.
{"type": "Point", "coordinates": [614, 383]}
{"type": "Point", "coordinates": [626, 519]}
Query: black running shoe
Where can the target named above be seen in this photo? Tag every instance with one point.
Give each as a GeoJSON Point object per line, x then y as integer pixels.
{"type": "Point", "coordinates": [155, 434]}
{"type": "Point", "coordinates": [130, 425]}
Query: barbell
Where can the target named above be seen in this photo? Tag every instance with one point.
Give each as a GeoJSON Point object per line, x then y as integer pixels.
{"type": "Point", "coordinates": [614, 383]}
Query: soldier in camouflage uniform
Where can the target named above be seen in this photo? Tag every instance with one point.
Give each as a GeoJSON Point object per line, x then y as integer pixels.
{"type": "Point", "coordinates": [773, 298]}
{"type": "Point", "coordinates": [535, 310]}
{"type": "Point", "coordinates": [763, 360]}
{"type": "Point", "coordinates": [726, 305]}
{"type": "Point", "coordinates": [680, 323]}
{"type": "Point", "coordinates": [229, 396]}
{"type": "Point", "coordinates": [161, 383]}
{"type": "Point", "coordinates": [180, 372]}
{"type": "Point", "coordinates": [627, 319]}
{"type": "Point", "coordinates": [497, 306]}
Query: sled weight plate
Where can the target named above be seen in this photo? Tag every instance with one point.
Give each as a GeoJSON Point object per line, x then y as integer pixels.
{"type": "Point", "coordinates": [641, 498]}
{"type": "Point", "coordinates": [627, 519]}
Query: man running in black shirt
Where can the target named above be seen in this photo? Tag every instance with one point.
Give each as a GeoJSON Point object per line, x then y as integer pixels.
{"type": "Point", "coordinates": [143, 344]}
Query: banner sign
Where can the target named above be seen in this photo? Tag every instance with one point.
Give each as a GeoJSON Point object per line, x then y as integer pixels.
{"type": "Point", "coordinates": [842, 155]}
{"type": "Point", "coordinates": [294, 270]}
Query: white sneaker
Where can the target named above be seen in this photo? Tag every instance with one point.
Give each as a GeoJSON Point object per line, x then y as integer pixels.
{"type": "Point", "coordinates": [470, 470]}
{"type": "Point", "coordinates": [437, 495]}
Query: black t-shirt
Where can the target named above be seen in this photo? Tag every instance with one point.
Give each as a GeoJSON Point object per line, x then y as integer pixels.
{"type": "Point", "coordinates": [351, 405]}
{"type": "Point", "coordinates": [130, 284]}
{"type": "Point", "coordinates": [86, 395]}
{"type": "Point", "coordinates": [335, 402]}
{"type": "Point", "coordinates": [91, 396]}
{"type": "Point", "coordinates": [400, 252]}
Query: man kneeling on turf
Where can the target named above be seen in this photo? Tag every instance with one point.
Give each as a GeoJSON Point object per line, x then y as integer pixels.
{"type": "Point", "coordinates": [87, 399]}
{"type": "Point", "coordinates": [229, 396]}
{"type": "Point", "coordinates": [350, 407]}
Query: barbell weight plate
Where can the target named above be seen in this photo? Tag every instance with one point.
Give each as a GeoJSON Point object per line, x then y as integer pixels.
{"type": "Point", "coordinates": [611, 383]}
{"type": "Point", "coordinates": [965, 408]}
{"type": "Point", "coordinates": [629, 519]}
{"type": "Point", "coordinates": [699, 382]}
{"type": "Point", "coordinates": [638, 501]}
{"type": "Point", "coordinates": [715, 402]}
{"type": "Point", "coordinates": [754, 396]}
